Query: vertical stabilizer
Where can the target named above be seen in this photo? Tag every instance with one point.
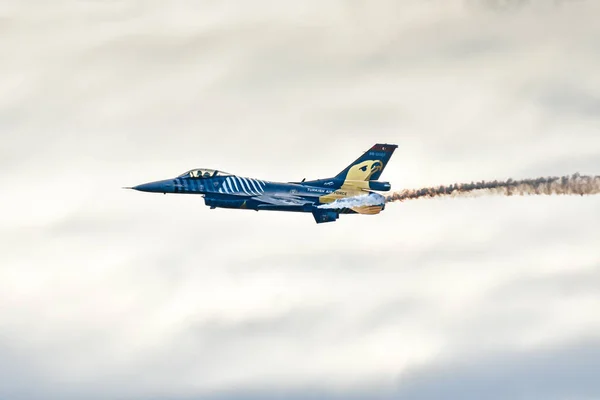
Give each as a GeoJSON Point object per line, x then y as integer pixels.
{"type": "Point", "coordinates": [370, 165]}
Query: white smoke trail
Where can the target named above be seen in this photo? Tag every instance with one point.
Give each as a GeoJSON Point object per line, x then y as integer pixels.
{"type": "Point", "coordinates": [567, 185]}
{"type": "Point", "coordinates": [371, 199]}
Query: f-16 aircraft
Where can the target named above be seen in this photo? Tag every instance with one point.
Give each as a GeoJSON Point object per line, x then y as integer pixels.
{"type": "Point", "coordinates": [352, 191]}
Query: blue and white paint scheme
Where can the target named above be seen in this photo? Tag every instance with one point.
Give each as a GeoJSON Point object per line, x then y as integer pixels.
{"type": "Point", "coordinates": [352, 191]}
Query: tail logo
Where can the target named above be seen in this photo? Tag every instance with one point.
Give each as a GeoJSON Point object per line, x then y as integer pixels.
{"type": "Point", "coordinates": [364, 170]}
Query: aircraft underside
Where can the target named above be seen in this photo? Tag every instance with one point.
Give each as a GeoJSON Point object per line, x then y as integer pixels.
{"type": "Point", "coordinates": [320, 215]}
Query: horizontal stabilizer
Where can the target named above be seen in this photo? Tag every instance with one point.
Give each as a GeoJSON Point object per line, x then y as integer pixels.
{"type": "Point", "coordinates": [368, 210]}
{"type": "Point", "coordinates": [367, 185]}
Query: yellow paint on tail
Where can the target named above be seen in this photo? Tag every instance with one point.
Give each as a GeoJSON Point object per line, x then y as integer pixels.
{"type": "Point", "coordinates": [364, 170]}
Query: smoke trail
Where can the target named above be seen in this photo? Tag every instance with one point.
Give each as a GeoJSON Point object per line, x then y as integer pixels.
{"type": "Point", "coordinates": [567, 185]}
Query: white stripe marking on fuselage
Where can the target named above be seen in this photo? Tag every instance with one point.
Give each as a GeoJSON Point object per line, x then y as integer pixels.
{"type": "Point", "coordinates": [223, 188]}
{"type": "Point", "coordinates": [234, 184]}
{"type": "Point", "coordinates": [229, 185]}
{"type": "Point", "coordinates": [243, 186]}
{"type": "Point", "coordinates": [256, 186]}
{"type": "Point", "coordinates": [249, 185]}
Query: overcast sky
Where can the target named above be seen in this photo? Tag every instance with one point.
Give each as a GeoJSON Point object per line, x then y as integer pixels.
{"type": "Point", "coordinates": [108, 293]}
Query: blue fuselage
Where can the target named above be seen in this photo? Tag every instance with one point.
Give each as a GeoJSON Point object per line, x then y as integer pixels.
{"type": "Point", "coordinates": [239, 192]}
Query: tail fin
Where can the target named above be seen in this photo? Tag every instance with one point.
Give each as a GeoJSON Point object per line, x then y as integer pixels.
{"type": "Point", "coordinates": [370, 165]}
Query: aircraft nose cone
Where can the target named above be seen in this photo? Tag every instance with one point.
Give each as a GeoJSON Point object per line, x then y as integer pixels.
{"type": "Point", "coordinates": [165, 186]}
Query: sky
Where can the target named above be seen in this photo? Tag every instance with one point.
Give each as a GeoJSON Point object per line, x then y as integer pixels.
{"type": "Point", "coordinates": [113, 294]}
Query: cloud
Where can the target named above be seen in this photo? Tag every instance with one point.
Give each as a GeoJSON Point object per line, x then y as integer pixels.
{"type": "Point", "coordinates": [565, 371]}
{"type": "Point", "coordinates": [112, 293]}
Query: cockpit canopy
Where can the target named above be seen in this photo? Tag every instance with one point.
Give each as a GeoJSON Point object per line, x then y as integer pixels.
{"type": "Point", "coordinates": [203, 173]}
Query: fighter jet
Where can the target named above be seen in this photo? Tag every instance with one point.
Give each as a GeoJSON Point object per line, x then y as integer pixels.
{"type": "Point", "coordinates": [352, 191]}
